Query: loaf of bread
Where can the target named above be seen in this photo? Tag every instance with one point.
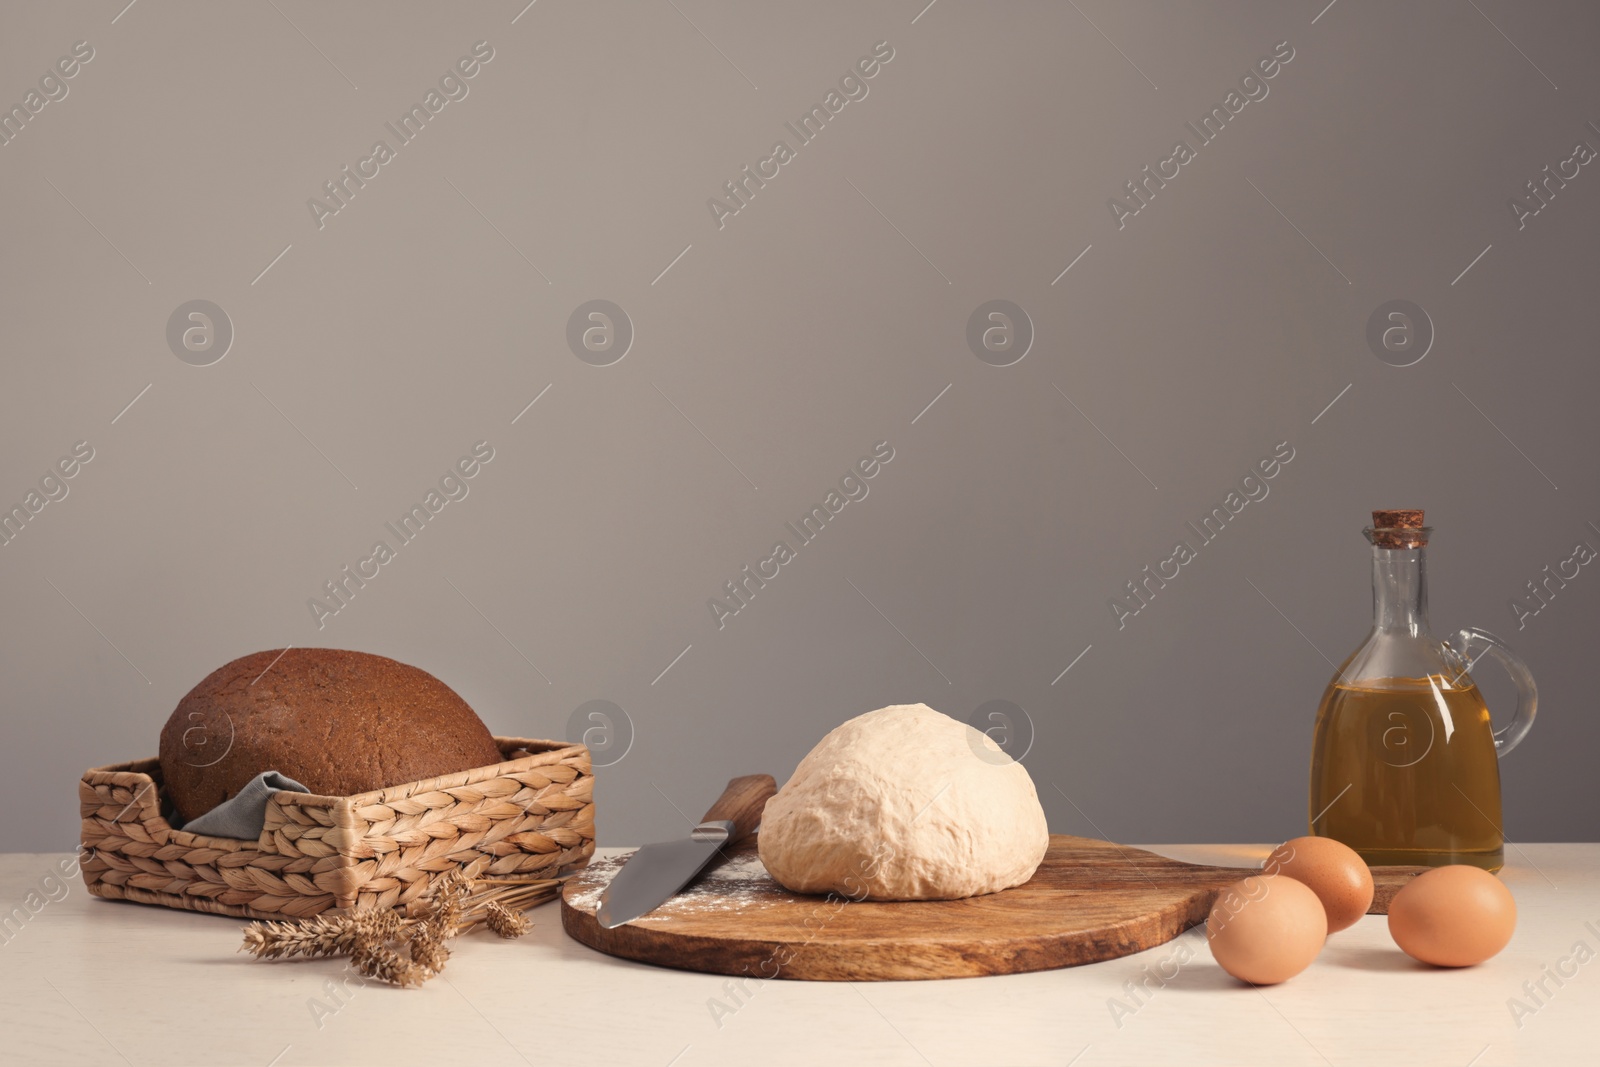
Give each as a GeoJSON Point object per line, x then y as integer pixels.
{"type": "Point", "coordinates": [337, 722]}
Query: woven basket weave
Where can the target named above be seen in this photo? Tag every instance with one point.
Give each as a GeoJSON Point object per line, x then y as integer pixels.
{"type": "Point", "coordinates": [530, 817]}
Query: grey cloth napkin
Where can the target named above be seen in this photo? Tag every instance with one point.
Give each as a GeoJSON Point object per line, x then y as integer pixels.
{"type": "Point", "coordinates": [242, 816]}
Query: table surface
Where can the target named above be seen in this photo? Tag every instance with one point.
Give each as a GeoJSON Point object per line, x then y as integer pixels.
{"type": "Point", "coordinates": [84, 980]}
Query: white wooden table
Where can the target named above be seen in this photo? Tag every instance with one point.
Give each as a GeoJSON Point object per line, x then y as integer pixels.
{"type": "Point", "coordinates": [100, 982]}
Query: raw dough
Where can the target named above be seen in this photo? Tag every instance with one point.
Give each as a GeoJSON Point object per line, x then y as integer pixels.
{"type": "Point", "coordinates": [904, 803]}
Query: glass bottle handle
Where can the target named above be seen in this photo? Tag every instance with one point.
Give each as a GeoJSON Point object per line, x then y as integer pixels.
{"type": "Point", "coordinates": [1473, 644]}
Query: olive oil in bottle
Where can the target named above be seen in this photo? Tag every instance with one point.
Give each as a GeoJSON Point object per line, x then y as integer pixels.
{"type": "Point", "coordinates": [1405, 762]}
{"type": "Point", "coordinates": [1406, 773]}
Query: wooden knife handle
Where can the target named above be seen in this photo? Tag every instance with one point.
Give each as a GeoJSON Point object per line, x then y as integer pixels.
{"type": "Point", "coordinates": [741, 804]}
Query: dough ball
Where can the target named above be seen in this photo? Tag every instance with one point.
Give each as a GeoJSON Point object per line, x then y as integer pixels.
{"type": "Point", "coordinates": [904, 803]}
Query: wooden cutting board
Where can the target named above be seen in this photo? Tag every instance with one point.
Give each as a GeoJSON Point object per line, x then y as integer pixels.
{"type": "Point", "coordinates": [1089, 901]}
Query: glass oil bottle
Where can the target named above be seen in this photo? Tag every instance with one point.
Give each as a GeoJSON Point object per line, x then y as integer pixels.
{"type": "Point", "coordinates": [1404, 765]}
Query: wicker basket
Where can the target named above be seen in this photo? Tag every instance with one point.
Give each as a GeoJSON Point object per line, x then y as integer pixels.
{"type": "Point", "coordinates": [530, 817]}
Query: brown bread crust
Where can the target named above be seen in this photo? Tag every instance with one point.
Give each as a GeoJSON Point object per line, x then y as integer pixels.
{"type": "Point", "coordinates": [337, 722]}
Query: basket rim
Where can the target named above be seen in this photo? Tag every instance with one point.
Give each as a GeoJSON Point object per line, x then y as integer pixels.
{"type": "Point", "coordinates": [537, 752]}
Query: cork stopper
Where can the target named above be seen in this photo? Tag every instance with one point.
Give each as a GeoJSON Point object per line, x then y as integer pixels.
{"type": "Point", "coordinates": [1399, 528]}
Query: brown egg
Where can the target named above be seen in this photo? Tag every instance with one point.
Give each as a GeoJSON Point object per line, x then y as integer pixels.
{"type": "Point", "coordinates": [1266, 928]}
{"type": "Point", "coordinates": [1453, 916]}
{"type": "Point", "coordinates": [1330, 869]}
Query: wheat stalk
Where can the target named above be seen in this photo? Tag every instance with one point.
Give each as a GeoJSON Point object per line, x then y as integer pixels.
{"type": "Point", "coordinates": [385, 964]}
{"type": "Point", "coordinates": [321, 936]}
{"type": "Point", "coordinates": [455, 904]}
{"type": "Point", "coordinates": [503, 921]}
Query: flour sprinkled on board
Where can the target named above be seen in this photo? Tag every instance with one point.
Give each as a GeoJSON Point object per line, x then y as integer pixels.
{"type": "Point", "coordinates": [740, 882]}
{"type": "Point", "coordinates": [592, 881]}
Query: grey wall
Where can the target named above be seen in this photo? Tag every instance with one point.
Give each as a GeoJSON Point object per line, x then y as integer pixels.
{"type": "Point", "coordinates": [1182, 346]}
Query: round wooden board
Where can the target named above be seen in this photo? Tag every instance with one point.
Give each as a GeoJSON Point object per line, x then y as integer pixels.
{"type": "Point", "coordinates": [1089, 901]}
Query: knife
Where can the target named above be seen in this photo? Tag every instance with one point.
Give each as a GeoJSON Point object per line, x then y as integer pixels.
{"type": "Point", "coordinates": [655, 873]}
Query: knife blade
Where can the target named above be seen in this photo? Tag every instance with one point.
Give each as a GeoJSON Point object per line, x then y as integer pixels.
{"type": "Point", "coordinates": [655, 873]}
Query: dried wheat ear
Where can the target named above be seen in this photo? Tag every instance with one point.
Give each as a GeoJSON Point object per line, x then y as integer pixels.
{"type": "Point", "coordinates": [406, 950]}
